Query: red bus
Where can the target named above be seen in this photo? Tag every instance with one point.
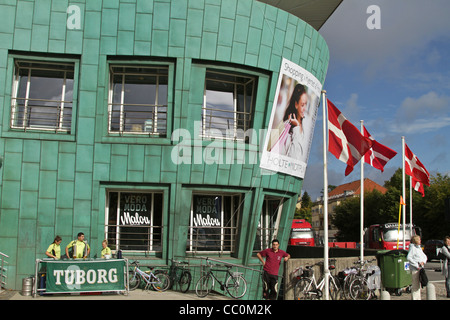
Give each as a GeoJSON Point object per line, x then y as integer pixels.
{"type": "Point", "coordinates": [301, 233]}
{"type": "Point", "coordinates": [385, 236]}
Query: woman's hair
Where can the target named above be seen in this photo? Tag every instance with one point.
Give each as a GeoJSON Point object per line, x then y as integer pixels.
{"type": "Point", "coordinates": [445, 239]}
{"type": "Point", "coordinates": [57, 238]}
{"type": "Point", "coordinates": [415, 239]}
{"type": "Point", "coordinates": [299, 89]}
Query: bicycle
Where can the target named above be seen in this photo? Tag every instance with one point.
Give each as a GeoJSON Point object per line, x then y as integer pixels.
{"type": "Point", "coordinates": [360, 288]}
{"type": "Point", "coordinates": [307, 287]}
{"type": "Point", "coordinates": [235, 284]}
{"type": "Point", "coordinates": [178, 273]}
{"type": "Point", "coordinates": [158, 281]}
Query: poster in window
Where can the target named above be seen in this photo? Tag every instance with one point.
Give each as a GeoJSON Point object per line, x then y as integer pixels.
{"type": "Point", "coordinates": [135, 209]}
{"type": "Point", "coordinates": [207, 222]}
{"type": "Point", "coordinates": [291, 127]}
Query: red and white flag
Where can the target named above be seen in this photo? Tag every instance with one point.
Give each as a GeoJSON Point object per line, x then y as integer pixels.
{"type": "Point", "coordinates": [379, 154]}
{"type": "Point", "coordinates": [415, 168]}
{"type": "Point", "coordinates": [345, 141]}
{"type": "Point", "coordinates": [418, 186]}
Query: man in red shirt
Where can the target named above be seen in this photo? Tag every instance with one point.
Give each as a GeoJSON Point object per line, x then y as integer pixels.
{"type": "Point", "coordinates": [271, 267]}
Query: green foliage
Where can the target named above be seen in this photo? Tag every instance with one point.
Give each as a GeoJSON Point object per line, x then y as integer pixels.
{"type": "Point", "coordinates": [305, 211]}
{"type": "Point", "coordinates": [428, 212]}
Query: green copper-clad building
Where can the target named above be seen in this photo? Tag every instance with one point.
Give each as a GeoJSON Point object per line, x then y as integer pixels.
{"type": "Point", "coordinates": [132, 121]}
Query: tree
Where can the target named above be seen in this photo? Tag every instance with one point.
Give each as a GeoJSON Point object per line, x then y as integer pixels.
{"type": "Point", "coordinates": [305, 210]}
{"type": "Point", "coordinates": [347, 215]}
{"type": "Point", "coordinates": [428, 212]}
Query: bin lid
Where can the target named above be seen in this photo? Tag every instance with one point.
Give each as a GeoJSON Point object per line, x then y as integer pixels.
{"type": "Point", "coordinates": [392, 252]}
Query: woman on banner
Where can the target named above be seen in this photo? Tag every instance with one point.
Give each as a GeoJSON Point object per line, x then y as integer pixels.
{"type": "Point", "coordinates": [292, 135]}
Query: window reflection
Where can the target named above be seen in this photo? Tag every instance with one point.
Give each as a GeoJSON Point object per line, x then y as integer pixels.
{"type": "Point", "coordinates": [138, 100]}
{"type": "Point", "coordinates": [42, 95]}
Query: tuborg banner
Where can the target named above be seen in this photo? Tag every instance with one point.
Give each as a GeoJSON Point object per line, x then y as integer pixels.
{"type": "Point", "coordinates": [85, 275]}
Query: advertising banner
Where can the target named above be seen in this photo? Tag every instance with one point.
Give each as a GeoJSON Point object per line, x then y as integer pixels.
{"type": "Point", "coordinates": [291, 126]}
{"type": "Point", "coordinates": [85, 275]}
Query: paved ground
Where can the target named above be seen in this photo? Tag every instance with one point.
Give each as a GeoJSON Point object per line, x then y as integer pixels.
{"type": "Point", "coordinates": [439, 286]}
{"type": "Point", "coordinates": [132, 295]}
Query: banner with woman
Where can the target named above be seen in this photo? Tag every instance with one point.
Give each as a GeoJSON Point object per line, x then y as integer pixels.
{"type": "Point", "coordinates": [291, 127]}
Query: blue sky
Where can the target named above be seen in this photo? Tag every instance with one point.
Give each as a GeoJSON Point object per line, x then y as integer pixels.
{"type": "Point", "coordinates": [396, 79]}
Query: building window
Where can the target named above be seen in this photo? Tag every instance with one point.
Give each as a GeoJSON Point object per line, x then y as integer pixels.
{"type": "Point", "coordinates": [228, 104]}
{"type": "Point", "coordinates": [137, 102]}
{"type": "Point", "coordinates": [42, 96]}
{"type": "Point", "coordinates": [134, 221]}
{"type": "Point", "coordinates": [214, 223]}
{"type": "Point", "coordinates": [268, 223]}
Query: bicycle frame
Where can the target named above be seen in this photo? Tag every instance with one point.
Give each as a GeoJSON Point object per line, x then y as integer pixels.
{"type": "Point", "coordinates": [215, 278]}
{"type": "Point", "coordinates": [149, 278]}
{"type": "Point", "coordinates": [313, 288]}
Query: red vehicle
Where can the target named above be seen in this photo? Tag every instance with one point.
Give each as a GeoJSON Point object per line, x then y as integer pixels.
{"type": "Point", "coordinates": [385, 236]}
{"type": "Point", "coordinates": [302, 233]}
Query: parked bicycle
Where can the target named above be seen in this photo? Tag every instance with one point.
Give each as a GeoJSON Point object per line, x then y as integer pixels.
{"type": "Point", "coordinates": [360, 287]}
{"type": "Point", "coordinates": [158, 281]}
{"type": "Point", "coordinates": [307, 287]}
{"type": "Point", "coordinates": [180, 274]}
{"type": "Point", "coordinates": [234, 283]}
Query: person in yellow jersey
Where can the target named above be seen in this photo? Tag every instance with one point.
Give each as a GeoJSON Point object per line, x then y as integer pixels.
{"type": "Point", "coordinates": [54, 250]}
{"type": "Point", "coordinates": [106, 252]}
{"type": "Point", "coordinates": [80, 248]}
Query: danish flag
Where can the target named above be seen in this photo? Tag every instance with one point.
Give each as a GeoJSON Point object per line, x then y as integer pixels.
{"type": "Point", "coordinates": [415, 168]}
{"type": "Point", "coordinates": [345, 141]}
{"type": "Point", "coordinates": [379, 154]}
{"type": "Point", "coordinates": [418, 186]}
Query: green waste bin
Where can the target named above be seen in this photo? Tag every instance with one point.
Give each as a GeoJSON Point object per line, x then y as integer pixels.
{"type": "Point", "coordinates": [394, 267]}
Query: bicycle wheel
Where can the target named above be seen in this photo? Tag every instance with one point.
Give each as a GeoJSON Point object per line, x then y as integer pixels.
{"type": "Point", "coordinates": [334, 288]}
{"type": "Point", "coordinates": [204, 286]}
{"type": "Point", "coordinates": [161, 282]}
{"type": "Point", "coordinates": [185, 281]}
{"type": "Point", "coordinates": [346, 286]}
{"type": "Point", "coordinates": [236, 286]}
{"type": "Point", "coordinates": [359, 289]}
{"type": "Point", "coordinates": [134, 280]}
{"type": "Point", "coordinates": [302, 290]}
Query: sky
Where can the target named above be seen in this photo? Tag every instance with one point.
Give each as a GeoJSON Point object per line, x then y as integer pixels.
{"type": "Point", "coordinates": [395, 78]}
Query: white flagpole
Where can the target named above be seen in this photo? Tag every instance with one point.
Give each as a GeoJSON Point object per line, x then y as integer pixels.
{"type": "Point", "coordinates": [410, 207]}
{"type": "Point", "coordinates": [403, 191]}
{"type": "Point", "coordinates": [325, 199]}
{"type": "Point", "coordinates": [361, 226]}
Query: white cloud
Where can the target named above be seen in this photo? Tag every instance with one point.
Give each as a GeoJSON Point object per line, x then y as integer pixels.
{"type": "Point", "coordinates": [426, 106]}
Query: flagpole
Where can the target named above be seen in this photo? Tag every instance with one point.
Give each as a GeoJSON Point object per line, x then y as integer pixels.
{"type": "Point", "coordinates": [361, 226]}
{"type": "Point", "coordinates": [410, 207]}
{"type": "Point", "coordinates": [325, 199]}
{"type": "Point", "coordinates": [403, 190]}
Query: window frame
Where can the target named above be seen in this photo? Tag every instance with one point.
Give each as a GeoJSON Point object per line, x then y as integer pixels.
{"type": "Point", "coordinates": [116, 245]}
{"type": "Point", "coordinates": [266, 231]}
{"type": "Point", "coordinates": [11, 93]}
{"type": "Point", "coordinates": [248, 119]}
{"type": "Point", "coordinates": [235, 229]}
{"type": "Point", "coordinates": [145, 137]}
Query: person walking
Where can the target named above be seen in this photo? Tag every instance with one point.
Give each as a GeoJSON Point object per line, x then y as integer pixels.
{"type": "Point", "coordinates": [445, 250]}
{"type": "Point", "coordinates": [417, 259]}
{"type": "Point", "coordinates": [271, 264]}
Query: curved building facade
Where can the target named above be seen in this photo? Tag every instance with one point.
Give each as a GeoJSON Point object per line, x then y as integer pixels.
{"type": "Point", "coordinates": [141, 122]}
